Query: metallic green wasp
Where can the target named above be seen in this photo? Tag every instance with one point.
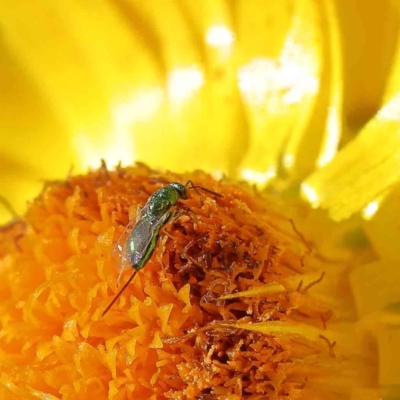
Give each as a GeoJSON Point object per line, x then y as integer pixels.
{"type": "Point", "coordinates": [137, 243]}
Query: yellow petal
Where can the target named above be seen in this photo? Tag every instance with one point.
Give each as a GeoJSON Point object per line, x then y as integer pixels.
{"type": "Point", "coordinates": [365, 168]}
{"type": "Point", "coordinates": [279, 76]}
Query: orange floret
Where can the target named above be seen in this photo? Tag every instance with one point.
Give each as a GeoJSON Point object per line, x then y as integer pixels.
{"type": "Point", "coordinates": [218, 312]}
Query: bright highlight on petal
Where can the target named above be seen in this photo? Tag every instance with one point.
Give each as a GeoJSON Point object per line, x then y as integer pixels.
{"type": "Point", "coordinates": [370, 210]}
{"type": "Point", "coordinates": [259, 178]}
{"type": "Point", "coordinates": [332, 137]}
{"type": "Point", "coordinates": [310, 194]}
{"type": "Point", "coordinates": [116, 147]}
{"type": "Point", "coordinates": [258, 78]}
{"type": "Point", "coordinates": [297, 77]}
{"type": "Point", "coordinates": [141, 106]}
{"type": "Point", "coordinates": [218, 36]}
{"type": "Point", "coordinates": [288, 160]}
{"type": "Point", "coordinates": [182, 83]}
{"type": "Point", "coordinates": [267, 80]}
{"type": "Point", "coordinates": [333, 124]}
{"type": "Point", "coordinates": [217, 175]}
{"type": "Point", "coordinates": [391, 111]}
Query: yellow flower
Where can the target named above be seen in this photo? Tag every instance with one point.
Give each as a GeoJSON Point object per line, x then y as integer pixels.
{"type": "Point", "coordinates": [289, 94]}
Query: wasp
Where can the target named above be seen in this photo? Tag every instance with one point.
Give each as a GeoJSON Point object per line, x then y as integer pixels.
{"type": "Point", "coordinates": [137, 248]}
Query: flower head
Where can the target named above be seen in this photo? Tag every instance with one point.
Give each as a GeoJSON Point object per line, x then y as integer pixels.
{"type": "Point", "coordinates": [228, 304]}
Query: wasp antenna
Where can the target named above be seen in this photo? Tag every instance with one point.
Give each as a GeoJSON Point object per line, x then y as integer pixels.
{"type": "Point", "coordinates": [119, 293]}
{"type": "Point", "coordinates": [189, 182]}
{"type": "Point", "coordinates": [193, 186]}
{"type": "Point", "coordinates": [207, 190]}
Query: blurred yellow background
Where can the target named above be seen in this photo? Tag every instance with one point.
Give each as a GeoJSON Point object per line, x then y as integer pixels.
{"type": "Point", "coordinates": [294, 93]}
{"type": "Point", "coordinates": [251, 89]}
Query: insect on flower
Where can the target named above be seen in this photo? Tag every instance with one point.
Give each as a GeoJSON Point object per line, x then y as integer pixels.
{"type": "Point", "coordinates": [137, 243]}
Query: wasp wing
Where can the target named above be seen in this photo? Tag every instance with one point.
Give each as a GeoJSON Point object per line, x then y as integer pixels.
{"type": "Point", "coordinates": [140, 238]}
{"type": "Point", "coordinates": [118, 255]}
